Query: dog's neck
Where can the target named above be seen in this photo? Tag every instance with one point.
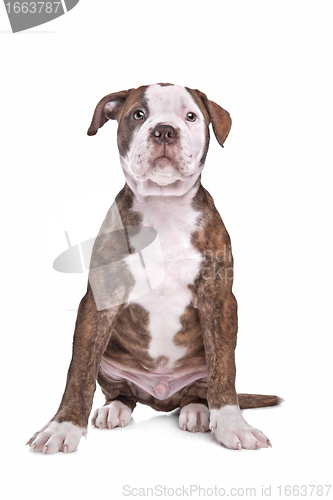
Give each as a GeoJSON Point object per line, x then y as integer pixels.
{"type": "Point", "coordinates": [183, 199]}
{"type": "Point", "coordinates": [153, 209]}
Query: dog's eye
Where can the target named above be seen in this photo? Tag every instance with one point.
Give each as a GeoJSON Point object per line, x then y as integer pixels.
{"type": "Point", "coordinates": [139, 115]}
{"type": "Point", "coordinates": [191, 117]}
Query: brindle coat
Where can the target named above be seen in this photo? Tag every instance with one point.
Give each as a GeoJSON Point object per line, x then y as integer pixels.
{"type": "Point", "coordinates": [209, 324]}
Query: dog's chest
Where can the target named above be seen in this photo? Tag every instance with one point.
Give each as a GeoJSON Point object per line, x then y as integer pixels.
{"type": "Point", "coordinates": [178, 263]}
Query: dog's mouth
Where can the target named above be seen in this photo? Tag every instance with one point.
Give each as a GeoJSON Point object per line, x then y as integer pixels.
{"type": "Point", "coordinates": [163, 171]}
{"type": "Point", "coordinates": [164, 163]}
{"type": "Point", "coordinates": [171, 185]}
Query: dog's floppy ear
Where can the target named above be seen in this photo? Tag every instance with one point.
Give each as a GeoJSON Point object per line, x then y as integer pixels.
{"type": "Point", "coordinates": [108, 108]}
{"type": "Point", "coordinates": [219, 118]}
{"type": "Point", "coordinates": [221, 121]}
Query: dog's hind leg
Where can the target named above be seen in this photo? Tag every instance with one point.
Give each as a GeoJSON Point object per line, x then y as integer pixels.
{"type": "Point", "coordinates": [119, 404]}
{"type": "Point", "coordinates": [194, 412]}
{"type": "Point", "coordinates": [194, 417]}
{"type": "Point", "coordinates": [113, 414]}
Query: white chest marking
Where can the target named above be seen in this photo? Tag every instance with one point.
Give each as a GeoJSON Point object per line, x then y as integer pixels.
{"type": "Point", "coordinates": [174, 220]}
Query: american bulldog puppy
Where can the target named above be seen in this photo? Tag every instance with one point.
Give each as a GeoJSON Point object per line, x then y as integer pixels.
{"type": "Point", "coordinates": [158, 324]}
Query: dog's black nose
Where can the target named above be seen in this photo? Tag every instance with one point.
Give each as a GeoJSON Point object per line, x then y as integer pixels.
{"type": "Point", "coordinates": [164, 134]}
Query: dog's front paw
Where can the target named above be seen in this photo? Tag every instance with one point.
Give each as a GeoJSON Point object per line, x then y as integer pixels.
{"type": "Point", "coordinates": [194, 417]}
{"type": "Point", "coordinates": [57, 436]}
{"type": "Point", "coordinates": [115, 414]}
{"type": "Point", "coordinates": [231, 429]}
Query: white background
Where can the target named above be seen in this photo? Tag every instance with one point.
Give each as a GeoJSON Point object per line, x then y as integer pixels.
{"type": "Point", "coordinates": [270, 65]}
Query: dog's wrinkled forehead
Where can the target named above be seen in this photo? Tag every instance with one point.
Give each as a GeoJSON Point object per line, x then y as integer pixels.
{"type": "Point", "coordinates": [170, 102]}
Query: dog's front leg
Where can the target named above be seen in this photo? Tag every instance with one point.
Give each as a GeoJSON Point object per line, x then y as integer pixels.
{"type": "Point", "coordinates": [217, 309]}
{"type": "Point", "coordinates": [92, 334]}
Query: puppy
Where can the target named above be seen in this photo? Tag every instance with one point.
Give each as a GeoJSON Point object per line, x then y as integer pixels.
{"type": "Point", "coordinates": [158, 324]}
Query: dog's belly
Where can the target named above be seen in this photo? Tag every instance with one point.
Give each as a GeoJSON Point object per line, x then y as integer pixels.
{"type": "Point", "coordinates": [161, 384]}
{"type": "Point", "coordinates": [157, 342]}
{"type": "Point", "coordinates": [128, 356]}
{"type": "Point", "coordinates": [160, 338]}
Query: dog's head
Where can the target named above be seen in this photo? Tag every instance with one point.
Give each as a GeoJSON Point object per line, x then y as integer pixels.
{"type": "Point", "coordinates": [163, 135]}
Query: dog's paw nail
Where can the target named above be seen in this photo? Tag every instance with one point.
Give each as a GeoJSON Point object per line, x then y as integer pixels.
{"type": "Point", "coordinates": [194, 417]}
{"type": "Point", "coordinates": [65, 448]}
{"type": "Point", "coordinates": [33, 447]}
{"type": "Point", "coordinates": [45, 449]}
{"type": "Point", "coordinates": [257, 446]}
{"type": "Point", "coordinates": [122, 423]}
{"type": "Point", "coordinates": [269, 443]}
{"type": "Point", "coordinates": [100, 425]}
{"type": "Point", "coordinates": [239, 446]}
{"type": "Point", "coordinates": [109, 425]}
